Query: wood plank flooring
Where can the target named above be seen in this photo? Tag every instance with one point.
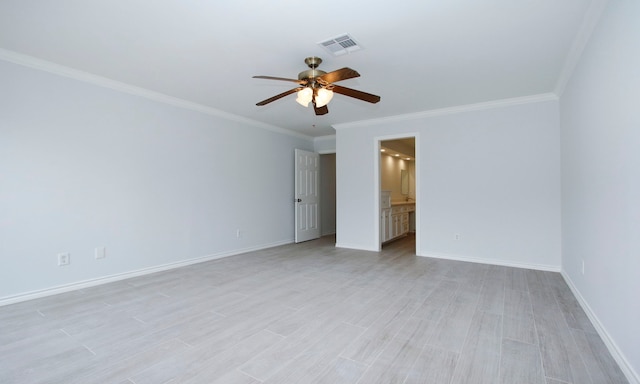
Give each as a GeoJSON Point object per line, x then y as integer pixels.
{"type": "Point", "coordinates": [311, 313]}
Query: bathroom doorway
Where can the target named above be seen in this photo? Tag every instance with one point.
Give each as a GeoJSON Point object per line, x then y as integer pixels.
{"type": "Point", "coordinates": [398, 192]}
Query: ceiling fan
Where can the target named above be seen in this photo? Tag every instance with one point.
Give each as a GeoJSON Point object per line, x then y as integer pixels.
{"type": "Point", "coordinates": [316, 87]}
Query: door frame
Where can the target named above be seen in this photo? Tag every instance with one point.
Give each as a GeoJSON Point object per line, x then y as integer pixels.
{"type": "Point", "coordinates": [378, 187]}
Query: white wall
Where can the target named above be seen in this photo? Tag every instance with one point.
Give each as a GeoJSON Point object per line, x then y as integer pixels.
{"type": "Point", "coordinates": [325, 144]}
{"type": "Point", "coordinates": [491, 175]}
{"type": "Point", "coordinates": [600, 127]}
{"type": "Point", "coordinates": [83, 166]}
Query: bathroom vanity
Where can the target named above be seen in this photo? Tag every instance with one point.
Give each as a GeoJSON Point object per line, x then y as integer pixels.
{"type": "Point", "coordinates": [394, 217]}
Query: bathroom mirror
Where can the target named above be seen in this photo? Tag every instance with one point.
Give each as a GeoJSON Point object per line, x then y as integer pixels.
{"type": "Point", "coordinates": [404, 182]}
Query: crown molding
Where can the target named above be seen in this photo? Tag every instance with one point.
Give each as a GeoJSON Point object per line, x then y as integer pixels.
{"type": "Point", "coordinates": [451, 110]}
{"type": "Point", "coordinates": [589, 22]}
{"type": "Point", "coordinates": [86, 77]}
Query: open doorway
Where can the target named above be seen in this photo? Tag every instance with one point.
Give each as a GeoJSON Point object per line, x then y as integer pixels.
{"type": "Point", "coordinates": [398, 191]}
{"type": "Point", "coordinates": [327, 194]}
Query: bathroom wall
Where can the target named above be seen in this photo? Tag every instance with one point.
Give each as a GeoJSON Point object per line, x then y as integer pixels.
{"type": "Point", "coordinates": [390, 168]}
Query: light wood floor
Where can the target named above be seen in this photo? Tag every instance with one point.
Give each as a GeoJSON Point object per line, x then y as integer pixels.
{"type": "Point", "coordinates": [310, 313]}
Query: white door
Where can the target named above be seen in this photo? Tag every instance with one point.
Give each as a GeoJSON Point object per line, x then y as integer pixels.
{"type": "Point", "coordinates": [306, 195]}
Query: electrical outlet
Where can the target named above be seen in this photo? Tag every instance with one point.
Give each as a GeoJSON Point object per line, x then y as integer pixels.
{"type": "Point", "coordinates": [100, 253]}
{"type": "Point", "coordinates": [238, 233]}
{"type": "Point", "coordinates": [456, 236]}
{"type": "Point", "coordinates": [583, 267]}
{"type": "Point", "coordinates": [64, 259]}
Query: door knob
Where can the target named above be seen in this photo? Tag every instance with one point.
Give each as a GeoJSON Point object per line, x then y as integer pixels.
{"type": "Point", "coordinates": [298, 200]}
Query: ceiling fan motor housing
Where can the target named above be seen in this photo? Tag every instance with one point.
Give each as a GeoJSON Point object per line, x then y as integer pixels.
{"type": "Point", "coordinates": [310, 74]}
{"type": "Point", "coordinates": [313, 63]}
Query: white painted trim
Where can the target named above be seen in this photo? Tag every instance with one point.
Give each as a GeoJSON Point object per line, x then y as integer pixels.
{"type": "Point", "coordinates": [357, 247]}
{"type": "Point", "coordinates": [589, 22]}
{"type": "Point", "coordinates": [61, 70]}
{"type": "Point", "coordinates": [481, 260]}
{"type": "Point", "coordinates": [377, 190]}
{"type": "Point", "coordinates": [450, 110]}
{"type": "Point", "coordinates": [418, 188]}
{"type": "Point", "coordinates": [632, 376]}
{"type": "Point", "coordinates": [127, 275]}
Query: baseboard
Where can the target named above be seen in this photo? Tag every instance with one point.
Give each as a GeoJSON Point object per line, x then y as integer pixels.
{"type": "Point", "coordinates": [358, 247]}
{"type": "Point", "coordinates": [127, 275]}
{"type": "Point", "coordinates": [505, 263]}
{"type": "Point", "coordinates": [632, 376]}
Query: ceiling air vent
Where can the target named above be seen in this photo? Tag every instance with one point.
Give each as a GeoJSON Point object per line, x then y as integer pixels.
{"type": "Point", "coordinates": [340, 45]}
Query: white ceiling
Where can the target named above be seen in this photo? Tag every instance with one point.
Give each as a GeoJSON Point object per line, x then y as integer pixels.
{"type": "Point", "coordinates": [418, 55]}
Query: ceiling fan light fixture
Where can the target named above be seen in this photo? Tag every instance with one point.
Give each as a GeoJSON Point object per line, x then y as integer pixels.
{"type": "Point", "coordinates": [323, 97]}
{"type": "Point", "coordinates": [304, 96]}
{"type": "Point", "coordinates": [318, 87]}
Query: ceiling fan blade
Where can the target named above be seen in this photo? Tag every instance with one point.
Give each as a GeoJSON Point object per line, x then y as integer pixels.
{"type": "Point", "coordinates": [339, 75]}
{"type": "Point", "coordinates": [280, 78]}
{"type": "Point", "coordinates": [364, 96]}
{"type": "Point", "coordinates": [280, 96]}
{"type": "Point", "coordinates": [321, 111]}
